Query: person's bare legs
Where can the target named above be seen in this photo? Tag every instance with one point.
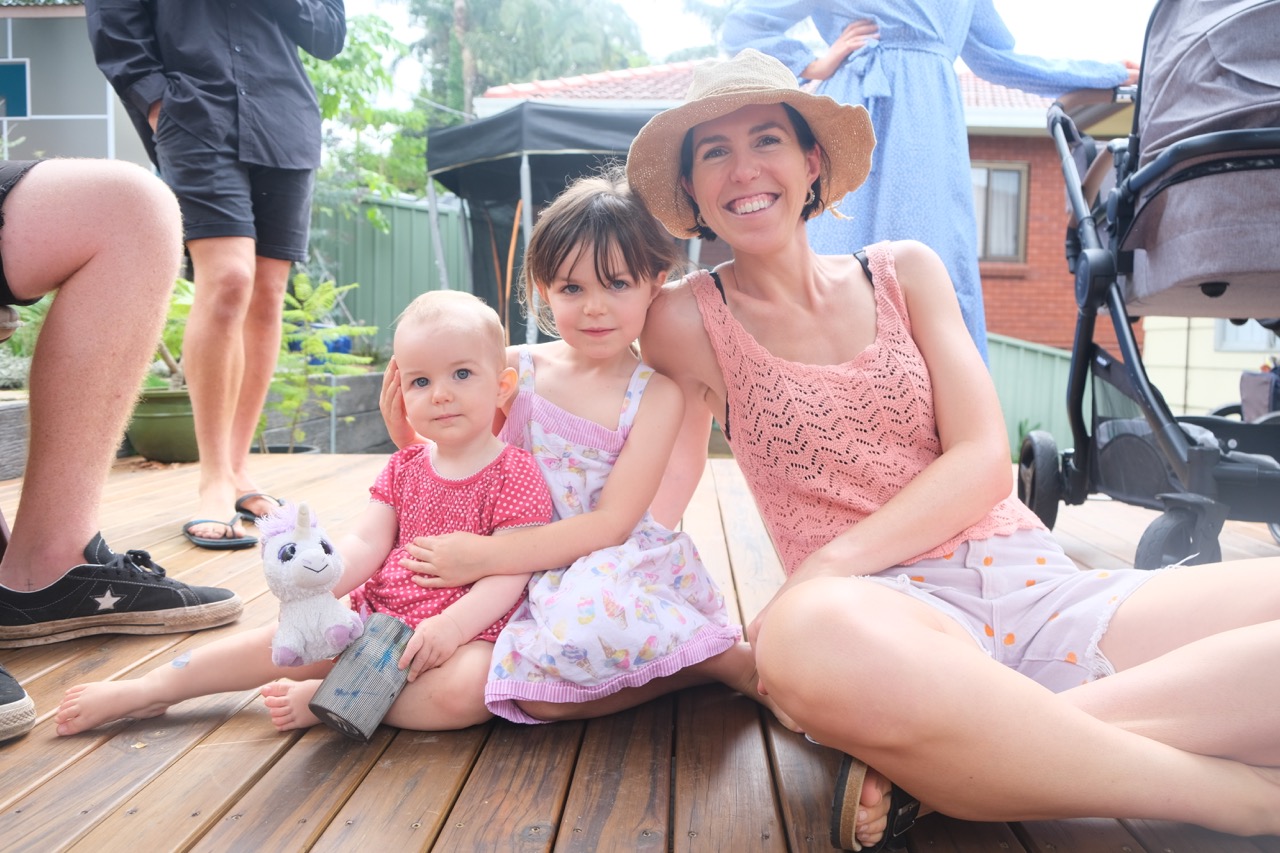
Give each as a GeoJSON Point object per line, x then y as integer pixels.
{"type": "Point", "coordinates": [229, 354]}
{"type": "Point", "coordinates": [238, 662]}
{"type": "Point", "coordinates": [911, 694]}
{"type": "Point", "coordinates": [1195, 650]}
{"type": "Point", "coordinates": [263, 331]}
{"type": "Point", "coordinates": [451, 696]}
{"type": "Point", "coordinates": [113, 283]}
{"type": "Point", "coordinates": [735, 668]}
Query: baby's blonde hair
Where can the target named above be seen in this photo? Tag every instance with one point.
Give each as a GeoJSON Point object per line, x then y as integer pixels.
{"type": "Point", "coordinates": [438, 308]}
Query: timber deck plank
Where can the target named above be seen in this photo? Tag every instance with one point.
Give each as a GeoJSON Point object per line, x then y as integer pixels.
{"type": "Point", "coordinates": [701, 770]}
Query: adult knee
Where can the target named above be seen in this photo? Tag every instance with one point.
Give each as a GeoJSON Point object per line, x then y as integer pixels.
{"type": "Point", "coordinates": [817, 624]}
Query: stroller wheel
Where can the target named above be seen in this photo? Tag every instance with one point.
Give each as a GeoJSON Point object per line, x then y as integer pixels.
{"type": "Point", "coordinates": [1175, 536]}
{"type": "Point", "coordinates": [1039, 476]}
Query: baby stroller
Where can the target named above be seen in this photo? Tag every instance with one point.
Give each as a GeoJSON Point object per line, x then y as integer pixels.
{"type": "Point", "coordinates": [1187, 224]}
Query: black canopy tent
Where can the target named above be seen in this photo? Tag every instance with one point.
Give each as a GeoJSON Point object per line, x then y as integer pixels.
{"type": "Point", "coordinates": [526, 155]}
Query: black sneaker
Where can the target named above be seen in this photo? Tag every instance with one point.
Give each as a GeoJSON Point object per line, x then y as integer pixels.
{"type": "Point", "coordinates": [111, 594]}
{"type": "Point", "coordinates": [17, 711]}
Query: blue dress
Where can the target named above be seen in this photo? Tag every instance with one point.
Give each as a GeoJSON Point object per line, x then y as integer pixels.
{"type": "Point", "coordinates": [919, 187]}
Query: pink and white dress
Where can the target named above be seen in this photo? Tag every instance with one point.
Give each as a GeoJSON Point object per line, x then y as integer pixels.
{"type": "Point", "coordinates": [617, 617]}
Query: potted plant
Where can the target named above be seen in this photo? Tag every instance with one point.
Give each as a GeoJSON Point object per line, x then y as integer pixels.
{"type": "Point", "coordinates": [163, 428]}
{"type": "Point", "coordinates": [314, 351]}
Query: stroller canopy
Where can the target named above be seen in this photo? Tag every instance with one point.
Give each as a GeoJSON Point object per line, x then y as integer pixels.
{"type": "Point", "coordinates": [1208, 65]}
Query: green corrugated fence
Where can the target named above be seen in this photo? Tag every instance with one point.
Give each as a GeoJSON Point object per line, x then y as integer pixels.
{"type": "Point", "coordinates": [1031, 380]}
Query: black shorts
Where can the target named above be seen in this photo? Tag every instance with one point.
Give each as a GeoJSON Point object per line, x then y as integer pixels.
{"type": "Point", "coordinates": [223, 197]}
{"type": "Point", "coordinates": [11, 171]}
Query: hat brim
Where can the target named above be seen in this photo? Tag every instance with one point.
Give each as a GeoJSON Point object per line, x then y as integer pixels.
{"type": "Point", "coordinates": [653, 163]}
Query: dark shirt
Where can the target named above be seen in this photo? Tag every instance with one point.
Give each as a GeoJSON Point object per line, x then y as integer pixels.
{"type": "Point", "coordinates": [227, 71]}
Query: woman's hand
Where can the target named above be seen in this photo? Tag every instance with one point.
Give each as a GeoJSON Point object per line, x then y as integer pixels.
{"type": "Point", "coordinates": [153, 115]}
{"type": "Point", "coordinates": [1135, 71]}
{"type": "Point", "coordinates": [451, 560]}
{"type": "Point", "coordinates": [851, 38]}
{"type": "Point", "coordinates": [433, 642]}
{"type": "Point", "coordinates": [394, 414]}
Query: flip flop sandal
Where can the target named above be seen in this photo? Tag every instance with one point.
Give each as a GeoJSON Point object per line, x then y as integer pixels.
{"type": "Point", "coordinates": [903, 809]}
{"type": "Point", "coordinates": [221, 543]}
{"type": "Point", "coordinates": [243, 510]}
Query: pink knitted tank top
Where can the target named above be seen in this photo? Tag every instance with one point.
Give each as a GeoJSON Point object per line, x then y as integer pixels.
{"type": "Point", "coordinates": [824, 446]}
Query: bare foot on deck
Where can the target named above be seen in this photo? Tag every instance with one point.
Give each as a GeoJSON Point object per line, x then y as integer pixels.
{"type": "Point", "coordinates": [736, 668]}
{"type": "Point", "coordinates": [87, 706]}
{"type": "Point", "coordinates": [288, 703]}
{"type": "Point", "coordinates": [873, 816]}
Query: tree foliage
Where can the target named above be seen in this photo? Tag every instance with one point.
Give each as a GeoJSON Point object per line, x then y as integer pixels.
{"type": "Point", "coordinates": [471, 45]}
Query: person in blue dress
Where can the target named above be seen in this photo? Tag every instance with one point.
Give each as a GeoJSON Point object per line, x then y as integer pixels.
{"type": "Point", "coordinates": [898, 60]}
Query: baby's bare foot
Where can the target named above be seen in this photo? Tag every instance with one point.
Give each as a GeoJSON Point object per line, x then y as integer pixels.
{"type": "Point", "coordinates": [288, 703]}
{"type": "Point", "coordinates": [87, 706]}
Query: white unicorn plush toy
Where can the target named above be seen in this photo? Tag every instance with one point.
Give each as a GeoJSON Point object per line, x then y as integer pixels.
{"type": "Point", "coordinates": [301, 568]}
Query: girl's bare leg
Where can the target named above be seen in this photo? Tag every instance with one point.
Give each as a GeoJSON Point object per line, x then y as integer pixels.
{"type": "Point", "coordinates": [237, 662]}
{"type": "Point", "coordinates": [735, 668]}
{"type": "Point", "coordinates": [909, 692]}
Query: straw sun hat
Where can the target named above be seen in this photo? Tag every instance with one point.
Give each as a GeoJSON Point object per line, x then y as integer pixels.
{"type": "Point", "coordinates": [719, 88]}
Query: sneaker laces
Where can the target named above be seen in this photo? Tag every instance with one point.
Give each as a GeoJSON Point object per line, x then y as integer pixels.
{"type": "Point", "coordinates": [135, 560]}
{"type": "Point", "coordinates": [99, 553]}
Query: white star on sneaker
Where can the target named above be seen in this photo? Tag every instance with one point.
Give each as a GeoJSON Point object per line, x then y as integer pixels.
{"type": "Point", "coordinates": [106, 601]}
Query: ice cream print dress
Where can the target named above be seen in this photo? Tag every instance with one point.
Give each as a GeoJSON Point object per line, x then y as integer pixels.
{"type": "Point", "coordinates": [617, 617]}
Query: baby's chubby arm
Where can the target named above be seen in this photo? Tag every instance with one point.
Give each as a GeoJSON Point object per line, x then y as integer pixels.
{"type": "Point", "coordinates": [436, 639]}
{"type": "Point", "coordinates": [366, 546]}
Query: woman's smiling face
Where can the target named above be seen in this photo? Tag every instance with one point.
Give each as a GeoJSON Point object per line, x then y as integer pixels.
{"type": "Point", "coordinates": [750, 175]}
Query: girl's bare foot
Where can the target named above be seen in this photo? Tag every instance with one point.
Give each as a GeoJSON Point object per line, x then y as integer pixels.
{"type": "Point", "coordinates": [87, 706]}
{"type": "Point", "coordinates": [287, 701]}
{"type": "Point", "coordinates": [736, 668]}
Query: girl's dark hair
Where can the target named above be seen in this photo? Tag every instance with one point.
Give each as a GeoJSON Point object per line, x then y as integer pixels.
{"type": "Point", "coordinates": [807, 141]}
{"type": "Point", "coordinates": [597, 213]}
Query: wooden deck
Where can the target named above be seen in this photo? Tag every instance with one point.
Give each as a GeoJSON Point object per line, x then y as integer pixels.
{"type": "Point", "coordinates": [703, 770]}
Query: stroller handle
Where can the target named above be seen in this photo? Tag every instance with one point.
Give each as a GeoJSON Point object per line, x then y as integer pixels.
{"type": "Point", "coordinates": [1223, 141]}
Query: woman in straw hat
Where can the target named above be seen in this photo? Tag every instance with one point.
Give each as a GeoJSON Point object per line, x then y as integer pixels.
{"type": "Point", "coordinates": [898, 59]}
{"type": "Point", "coordinates": [929, 625]}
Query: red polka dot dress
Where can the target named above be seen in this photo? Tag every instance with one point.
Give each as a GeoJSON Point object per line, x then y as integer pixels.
{"type": "Point", "coordinates": [508, 492]}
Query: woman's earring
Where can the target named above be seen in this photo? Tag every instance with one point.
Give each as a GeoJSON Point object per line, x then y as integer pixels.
{"type": "Point", "coordinates": [813, 197]}
{"type": "Point", "coordinates": [697, 217]}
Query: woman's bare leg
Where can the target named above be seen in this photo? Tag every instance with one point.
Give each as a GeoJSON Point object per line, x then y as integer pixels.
{"type": "Point", "coordinates": [1196, 649]}
{"type": "Point", "coordinates": [878, 675]}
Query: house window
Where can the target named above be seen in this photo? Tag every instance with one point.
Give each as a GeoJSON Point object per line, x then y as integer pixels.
{"type": "Point", "coordinates": [1250, 337]}
{"type": "Point", "coordinates": [1000, 201]}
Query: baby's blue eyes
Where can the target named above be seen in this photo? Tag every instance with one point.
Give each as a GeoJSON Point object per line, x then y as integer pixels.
{"type": "Point", "coordinates": [421, 382]}
{"type": "Point", "coordinates": [462, 373]}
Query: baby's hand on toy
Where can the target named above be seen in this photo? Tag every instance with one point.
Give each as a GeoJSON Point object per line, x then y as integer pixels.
{"type": "Point", "coordinates": [451, 560]}
{"type": "Point", "coordinates": [433, 642]}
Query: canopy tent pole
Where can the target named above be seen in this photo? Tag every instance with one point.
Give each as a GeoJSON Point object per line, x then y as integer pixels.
{"type": "Point", "coordinates": [526, 221]}
{"type": "Point", "coordinates": [434, 215]}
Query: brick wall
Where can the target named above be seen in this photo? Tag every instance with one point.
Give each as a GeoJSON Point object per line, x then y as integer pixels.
{"type": "Point", "coordinates": [1035, 301]}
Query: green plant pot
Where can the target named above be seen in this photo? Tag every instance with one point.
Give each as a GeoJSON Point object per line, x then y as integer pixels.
{"type": "Point", "coordinates": [163, 428]}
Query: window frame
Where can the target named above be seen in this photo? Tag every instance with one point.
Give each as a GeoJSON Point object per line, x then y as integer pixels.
{"type": "Point", "coordinates": [1023, 170]}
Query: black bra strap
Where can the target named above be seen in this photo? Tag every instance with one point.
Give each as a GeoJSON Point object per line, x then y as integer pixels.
{"type": "Point", "coordinates": [861, 255]}
{"type": "Point", "coordinates": [720, 287]}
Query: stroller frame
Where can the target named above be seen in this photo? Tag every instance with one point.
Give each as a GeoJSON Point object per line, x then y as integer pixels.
{"type": "Point", "coordinates": [1197, 482]}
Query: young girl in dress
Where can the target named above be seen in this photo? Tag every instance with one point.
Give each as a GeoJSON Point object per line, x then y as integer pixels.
{"type": "Point", "coordinates": [450, 349]}
{"type": "Point", "coordinates": [638, 616]}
